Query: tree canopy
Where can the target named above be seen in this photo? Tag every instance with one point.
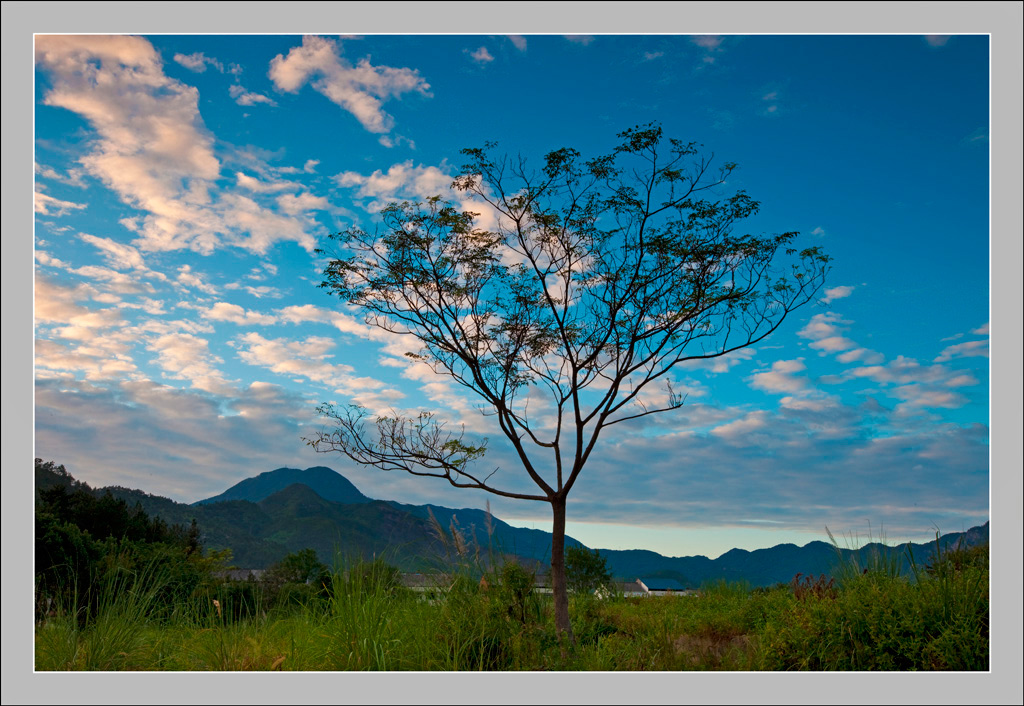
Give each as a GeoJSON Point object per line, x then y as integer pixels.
{"type": "Point", "coordinates": [576, 288]}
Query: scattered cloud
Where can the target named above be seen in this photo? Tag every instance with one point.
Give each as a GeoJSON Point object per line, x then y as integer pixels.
{"type": "Point", "coordinates": [836, 293]}
{"type": "Point", "coordinates": [49, 206]}
{"type": "Point", "coordinates": [152, 148]}
{"type": "Point", "coordinates": [360, 89]}
{"type": "Point", "coordinates": [722, 363]}
{"type": "Point", "coordinates": [936, 40]}
{"type": "Point", "coordinates": [298, 205]}
{"type": "Point", "coordinates": [584, 39]}
{"type": "Point", "coordinates": [264, 187]}
{"type": "Point", "coordinates": [121, 256]}
{"type": "Point", "coordinates": [707, 41]}
{"type": "Point", "coordinates": [740, 429]}
{"type": "Point", "coordinates": [184, 356]}
{"type": "Point", "coordinates": [862, 355]}
{"type": "Point", "coordinates": [307, 358]}
{"type": "Point", "coordinates": [106, 435]}
{"type": "Point", "coordinates": [244, 97]}
{"type": "Point", "coordinates": [818, 231]}
{"type": "Point", "coordinates": [907, 371]}
{"type": "Point", "coordinates": [978, 136]}
{"type": "Point", "coordinates": [480, 56]}
{"type": "Point", "coordinates": [225, 311]}
{"type": "Point", "coordinates": [652, 55]}
{"type": "Point", "coordinates": [72, 177]}
{"type": "Point", "coordinates": [399, 180]}
{"type": "Point", "coordinates": [711, 44]}
{"type": "Point", "coordinates": [771, 103]}
{"type": "Point", "coordinates": [824, 332]}
{"type": "Point", "coordinates": [963, 350]}
{"type": "Point", "coordinates": [781, 377]}
{"type": "Point", "coordinates": [518, 40]}
{"type": "Point", "coordinates": [194, 280]}
{"type": "Point", "coordinates": [198, 62]}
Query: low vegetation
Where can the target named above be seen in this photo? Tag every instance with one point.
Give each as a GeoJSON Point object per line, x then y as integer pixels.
{"type": "Point", "coordinates": [117, 590]}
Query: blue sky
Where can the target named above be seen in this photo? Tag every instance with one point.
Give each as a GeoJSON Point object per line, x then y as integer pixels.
{"type": "Point", "coordinates": [182, 183]}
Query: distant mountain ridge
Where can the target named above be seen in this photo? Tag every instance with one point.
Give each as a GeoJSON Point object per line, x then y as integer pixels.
{"type": "Point", "coordinates": [325, 482]}
{"type": "Point", "coordinates": [263, 518]}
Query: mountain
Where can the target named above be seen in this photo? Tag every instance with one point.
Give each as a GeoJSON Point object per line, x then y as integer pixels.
{"type": "Point", "coordinates": [262, 519]}
{"type": "Point", "coordinates": [325, 482]}
{"type": "Point", "coordinates": [779, 564]}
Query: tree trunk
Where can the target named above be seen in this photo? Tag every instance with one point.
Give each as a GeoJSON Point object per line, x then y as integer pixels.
{"type": "Point", "coordinates": [558, 584]}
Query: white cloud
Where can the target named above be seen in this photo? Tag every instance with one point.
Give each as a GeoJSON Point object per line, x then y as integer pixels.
{"type": "Point", "coordinates": [118, 255]}
{"type": "Point", "coordinates": [244, 97]}
{"type": "Point", "coordinates": [836, 293]}
{"type": "Point", "coordinates": [307, 358]}
{"type": "Point", "coordinates": [818, 231]}
{"type": "Point", "coordinates": [981, 330]}
{"type": "Point", "coordinates": [862, 355]}
{"type": "Point", "coordinates": [907, 371]}
{"type": "Point", "coordinates": [55, 304]}
{"type": "Point", "coordinates": [263, 226]}
{"type": "Point", "coordinates": [225, 311]}
{"type": "Point", "coordinates": [963, 350]}
{"type": "Point", "coordinates": [360, 89]}
{"type": "Point", "coordinates": [977, 136]}
{"type": "Point", "coordinates": [198, 61]}
{"type": "Point", "coordinates": [97, 351]}
{"type": "Point", "coordinates": [652, 55]}
{"type": "Point", "coordinates": [736, 430]}
{"type": "Point", "coordinates": [710, 43]}
{"type": "Point", "coordinates": [297, 205]}
{"type": "Point", "coordinates": [341, 321]}
{"type": "Point", "coordinates": [707, 41]}
{"type": "Point", "coordinates": [152, 148]}
{"type": "Point", "coordinates": [264, 187]}
{"type": "Point", "coordinates": [102, 360]}
{"type": "Point", "coordinates": [771, 102]}
{"type": "Point", "coordinates": [400, 180]}
{"type": "Point", "coordinates": [584, 39]}
{"type": "Point", "coordinates": [925, 396]}
{"type": "Point", "coordinates": [72, 177]}
{"type": "Point", "coordinates": [481, 55]}
{"type": "Point", "coordinates": [824, 330]}
{"type": "Point", "coordinates": [518, 40]}
{"type": "Point", "coordinates": [936, 40]}
{"type": "Point", "coordinates": [47, 205]}
{"type": "Point", "coordinates": [781, 377]}
{"type": "Point", "coordinates": [723, 363]}
{"type": "Point", "coordinates": [188, 357]}
{"type": "Point", "coordinates": [114, 281]}
{"type": "Point", "coordinates": [190, 279]}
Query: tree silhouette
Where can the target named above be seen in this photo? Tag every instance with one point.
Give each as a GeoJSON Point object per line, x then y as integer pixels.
{"type": "Point", "coordinates": [598, 279]}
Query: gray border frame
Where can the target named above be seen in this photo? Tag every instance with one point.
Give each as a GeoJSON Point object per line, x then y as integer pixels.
{"type": "Point", "coordinates": [1001, 20]}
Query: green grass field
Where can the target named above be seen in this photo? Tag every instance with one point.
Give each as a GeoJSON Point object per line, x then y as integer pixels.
{"type": "Point", "coordinates": [868, 618]}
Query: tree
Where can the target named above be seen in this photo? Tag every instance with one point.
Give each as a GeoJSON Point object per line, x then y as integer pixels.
{"type": "Point", "coordinates": [299, 567]}
{"type": "Point", "coordinates": [585, 569]}
{"type": "Point", "coordinates": [600, 277]}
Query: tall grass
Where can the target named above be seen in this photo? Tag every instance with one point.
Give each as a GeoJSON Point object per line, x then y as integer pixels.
{"type": "Point", "coordinates": [937, 619]}
{"type": "Point", "coordinates": [76, 637]}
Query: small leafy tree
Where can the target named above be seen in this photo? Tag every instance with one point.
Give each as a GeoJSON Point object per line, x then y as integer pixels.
{"type": "Point", "coordinates": [600, 277]}
{"type": "Point", "coordinates": [585, 569]}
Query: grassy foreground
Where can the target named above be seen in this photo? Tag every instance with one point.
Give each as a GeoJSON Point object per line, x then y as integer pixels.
{"type": "Point", "coordinates": [866, 619]}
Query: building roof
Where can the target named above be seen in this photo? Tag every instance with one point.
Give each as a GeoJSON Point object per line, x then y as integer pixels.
{"type": "Point", "coordinates": [239, 574]}
{"type": "Point", "coordinates": [655, 583]}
